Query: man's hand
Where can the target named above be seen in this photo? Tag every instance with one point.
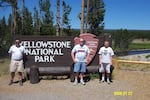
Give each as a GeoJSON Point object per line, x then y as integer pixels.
{"type": "Point", "coordinates": [100, 62]}
{"type": "Point", "coordinates": [74, 60]}
{"type": "Point", "coordinates": [73, 57]}
{"type": "Point", "coordinates": [110, 63]}
{"type": "Point", "coordinates": [86, 61]}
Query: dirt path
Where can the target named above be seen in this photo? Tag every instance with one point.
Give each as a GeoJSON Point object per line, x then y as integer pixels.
{"type": "Point", "coordinates": [135, 85]}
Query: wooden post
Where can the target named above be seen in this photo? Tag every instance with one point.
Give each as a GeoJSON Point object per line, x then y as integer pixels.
{"type": "Point", "coordinates": [115, 62]}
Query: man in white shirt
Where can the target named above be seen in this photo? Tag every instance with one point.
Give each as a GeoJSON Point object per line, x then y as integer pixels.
{"type": "Point", "coordinates": [17, 52]}
{"type": "Point", "coordinates": [105, 60]}
{"type": "Point", "coordinates": [80, 54]}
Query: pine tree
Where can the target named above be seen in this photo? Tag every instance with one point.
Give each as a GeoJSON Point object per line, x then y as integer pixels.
{"type": "Point", "coordinates": [2, 35]}
{"type": "Point", "coordinates": [9, 20]}
{"type": "Point", "coordinates": [37, 22]}
{"type": "Point", "coordinates": [95, 16]}
{"type": "Point", "coordinates": [19, 23]}
{"type": "Point", "coordinates": [13, 4]}
{"type": "Point", "coordinates": [47, 18]}
{"type": "Point", "coordinates": [122, 39]}
{"type": "Point", "coordinates": [8, 35]}
{"type": "Point", "coordinates": [3, 27]}
{"type": "Point", "coordinates": [66, 27]}
{"type": "Point", "coordinates": [28, 27]}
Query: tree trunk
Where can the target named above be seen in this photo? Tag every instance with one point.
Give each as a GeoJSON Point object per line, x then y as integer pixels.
{"type": "Point", "coordinates": [87, 11]}
{"type": "Point", "coordinates": [14, 7]}
{"type": "Point", "coordinates": [58, 19]}
{"type": "Point", "coordinates": [82, 18]}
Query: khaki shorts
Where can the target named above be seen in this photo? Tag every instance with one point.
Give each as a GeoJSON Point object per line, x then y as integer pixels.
{"type": "Point", "coordinates": [16, 65]}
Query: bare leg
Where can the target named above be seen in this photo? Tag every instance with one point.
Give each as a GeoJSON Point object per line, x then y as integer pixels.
{"type": "Point", "coordinates": [108, 76]}
{"type": "Point", "coordinates": [103, 77]}
{"type": "Point", "coordinates": [76, 76]}
{"type": "Point", "coordinates": [81, 78]}
{"type": "Point", "coordinates": [20, 75]}
{"type": "Point", "coordinates": [20, 78]}
{"type": "Point", "coordinates": [12, 74]}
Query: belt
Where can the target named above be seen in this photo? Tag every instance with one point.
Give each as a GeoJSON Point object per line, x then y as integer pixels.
{"type": "Point", "coordinates": [17, 59]}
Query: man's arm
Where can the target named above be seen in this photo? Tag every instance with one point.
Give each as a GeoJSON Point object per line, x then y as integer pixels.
{"type": "Point", "coordinates": [87, 57]}
{"type": "Point", "coordinates": [10, 51]}
{"type": "Point", "coordinates": [112, 54]}
{"type": "Point", "coordinates": [73, 57]}
{"type": "Point", "coordinates": [100, 59]}
{"type": "Point", "coordinates": [111, 60]}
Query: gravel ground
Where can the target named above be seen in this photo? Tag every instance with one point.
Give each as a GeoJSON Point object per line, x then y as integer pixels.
{"type": "Point", "coordinates": [135, 82]}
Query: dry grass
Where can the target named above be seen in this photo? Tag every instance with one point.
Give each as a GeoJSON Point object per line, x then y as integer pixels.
{"type": "Point", "coordinates": [4, 66]}
{"type": "Point", "coordinates": [134, 67]}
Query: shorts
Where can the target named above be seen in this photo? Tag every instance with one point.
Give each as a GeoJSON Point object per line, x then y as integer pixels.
{"type": "Point", "coordinates": [80, 67]}
{"type": "Point", "coordinates": [105, 67]}
{"type": "Point", "coordinates": [16, 65]}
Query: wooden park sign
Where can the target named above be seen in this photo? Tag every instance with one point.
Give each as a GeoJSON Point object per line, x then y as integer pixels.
{"type": "Point", "coordinates": [47, 51]}
{"type": "Point", "coordinates": [91, 41]}
{"type": "Point", "coordinates": [52, 55]}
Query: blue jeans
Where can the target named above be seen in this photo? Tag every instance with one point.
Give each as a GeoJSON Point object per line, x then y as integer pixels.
{"type": "Point", "coordinates": [80, 67]}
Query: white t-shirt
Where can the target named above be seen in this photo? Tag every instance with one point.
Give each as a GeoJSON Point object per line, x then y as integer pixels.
{"type": "Point", "coordinates": [16, 52]}
{"type": "Point", "coordinates": [106, 53]}
{"type": "Point", "coordinates": [80, 52]}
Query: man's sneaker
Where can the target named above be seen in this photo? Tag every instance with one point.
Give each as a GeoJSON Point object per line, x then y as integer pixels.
{"type": "Point", "coordinates": [108, 81]}
{"type": "Point", "coordinates": [82, 82]}
{"type": "Point", "coordinates": [75, 83]}
{"type": "Point", "coordinates": [20, 83]}
{"type": "Point", "coordinates": [102, 81]}
{"type": "Point", "coordinates": [11, 82]}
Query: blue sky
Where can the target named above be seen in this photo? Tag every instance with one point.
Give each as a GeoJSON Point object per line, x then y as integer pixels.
{"type": "Point", "coordinates": [126, 14]}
